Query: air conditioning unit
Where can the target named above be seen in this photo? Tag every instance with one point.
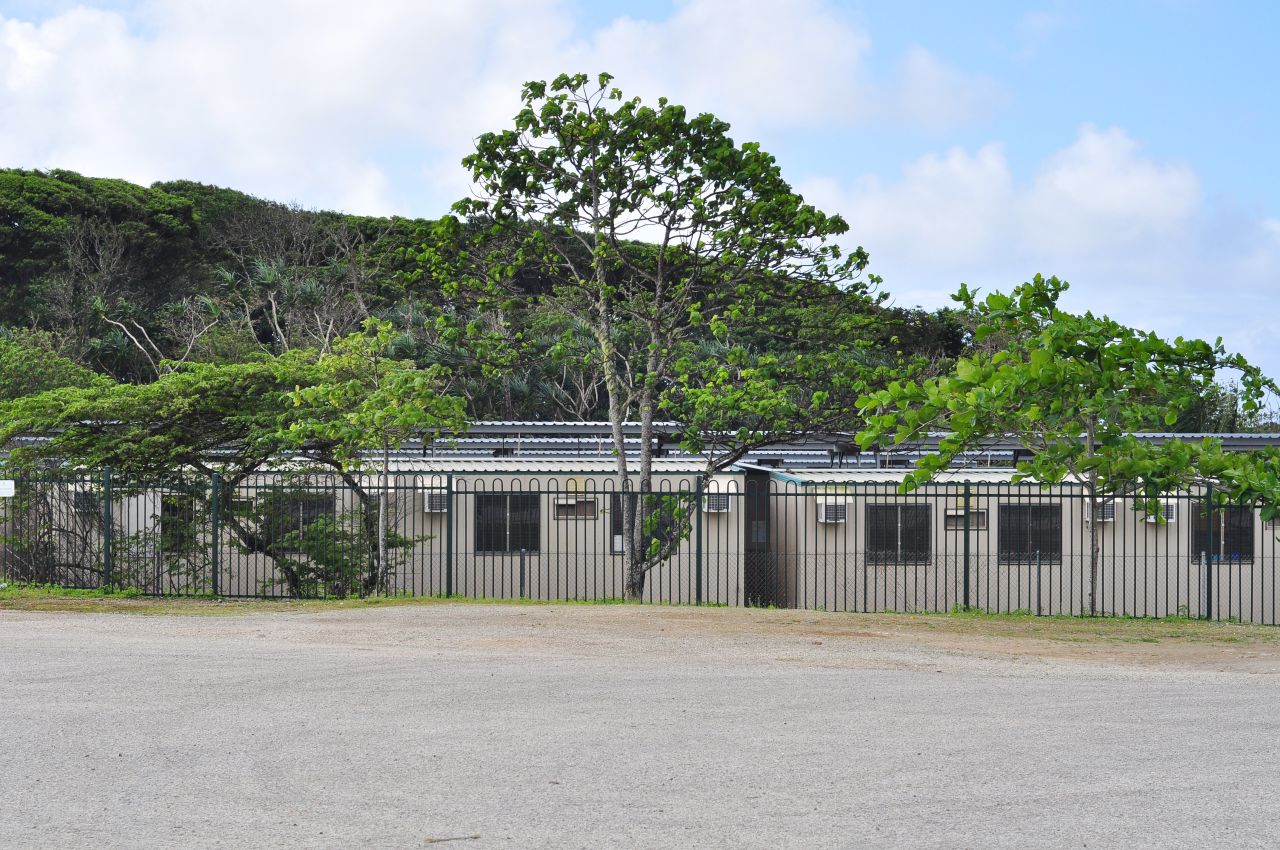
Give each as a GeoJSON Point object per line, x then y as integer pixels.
{"type": "Point", "coordinates": [1106, 511]}
{"type": "Point", "coordinates": [435, 502]}
{"type": "Point", "coordinates": [1168, 512]}
{"type": "Point", "coordinates": [715, 503]}
{"type": "Point", "coordinates": [832, 512]}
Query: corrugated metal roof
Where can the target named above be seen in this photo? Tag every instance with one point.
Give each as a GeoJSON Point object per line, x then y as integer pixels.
{"type": "Point", "coordinates": [890, 476]}
{"type": "Point", "coordinates": [538, 466]}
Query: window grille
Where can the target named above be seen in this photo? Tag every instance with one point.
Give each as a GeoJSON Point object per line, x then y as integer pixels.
{"type": "Point", "coordinates": [292, 513]}
{"type": "Point", "coordinates": [898, 534]}
{"type": "Point", "coordinates": [508, 522]}
{"type": "Point", "coordinates": [177, 516]}
{"type": "Point", "coordinates": [1232, 534]}
{"type": "Point", "coordinates": [1030, 534]}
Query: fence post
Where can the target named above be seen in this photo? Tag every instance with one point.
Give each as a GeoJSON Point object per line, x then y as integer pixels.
{"type": "Point", "coordinates": [108, 523]}
{"type": "Point", "coordinates": [697, 543]}
{"type": "Point", "coordinates": [522, 554]}
{"type": "Point", "coordinates": [966, 545]}
{"type": "Point", "coordinates": [1038, 574]}
{"type": "Point", "coordinates": [215, 544]}
{"type": "Point", "coordinates": [1208, 563]}
{"type": "Point", "coordinates": [448, 535]}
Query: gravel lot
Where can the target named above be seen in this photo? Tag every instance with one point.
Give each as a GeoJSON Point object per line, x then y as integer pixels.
{"type": "Point", "coordinates": [592, 727]}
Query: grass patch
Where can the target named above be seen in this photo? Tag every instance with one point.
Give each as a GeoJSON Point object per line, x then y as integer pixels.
{"type": "Point", "coordinates": [40, 597]}
{"type": "Point", "coordinates": [1076, 629]}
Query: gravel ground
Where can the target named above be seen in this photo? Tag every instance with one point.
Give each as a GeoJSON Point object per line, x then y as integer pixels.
{"type": "Point", "coordinates": [593, 727]}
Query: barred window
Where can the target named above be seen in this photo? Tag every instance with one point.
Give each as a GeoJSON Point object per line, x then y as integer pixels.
{"type": "Point", "coordinates": [617, 537]}
{"type": "Point", "coordinates": [287, 513]}
{"type": "Point", "coordinates": [508, 522]}
{"type": "Point", "coordinates": [898, 534]}
{"type": "Point", "coordinates": [1232, 534]}
{"type": "Point", "coordinates": [1030, 534]}
{"type": "Point", "coordinates": [177, 516]}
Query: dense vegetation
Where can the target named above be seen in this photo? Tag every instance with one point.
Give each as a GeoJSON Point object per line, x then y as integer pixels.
{"type": "Point", "coordinates": [118, 278]}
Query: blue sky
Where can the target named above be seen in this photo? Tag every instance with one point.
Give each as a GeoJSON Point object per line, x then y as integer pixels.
{"type": "Point", "coordinates": [1129, 147]}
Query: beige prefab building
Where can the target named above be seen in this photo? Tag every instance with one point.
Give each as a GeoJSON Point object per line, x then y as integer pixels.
{"type": "Point", "coordinates": [852, 540]}
{"type": "Point", "coordinates": [833, 539]}
{"type": "Point", "coordinates": [552, 529]}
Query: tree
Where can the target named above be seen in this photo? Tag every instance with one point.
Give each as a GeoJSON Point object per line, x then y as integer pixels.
{"type": "Point", "coordinates": [235, 421]}
{"type": "Point", "coordinates": [29, 365]}
{"type": "Point", "coordinates": [181, 429]}
{"type": "Point", "coordinates": [364, 400]}
{"type": "Point", "coordinates": [561, 200]}
{"type": "Point", "coordinates": [1073, 388]}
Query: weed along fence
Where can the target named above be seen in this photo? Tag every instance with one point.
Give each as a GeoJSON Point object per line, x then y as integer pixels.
{"type": "Point", "coordinates": [835, 540]}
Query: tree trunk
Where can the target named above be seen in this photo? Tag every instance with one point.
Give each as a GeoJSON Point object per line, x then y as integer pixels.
{"type": "Point", "coordinates": [633, 579]}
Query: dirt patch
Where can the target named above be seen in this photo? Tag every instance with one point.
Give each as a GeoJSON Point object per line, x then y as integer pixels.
{"type": "Point", "coordinates": [810, 635]}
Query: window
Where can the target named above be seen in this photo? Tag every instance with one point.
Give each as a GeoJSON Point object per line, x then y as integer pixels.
{"type": "Point", "coordinates": [508, 522]}
{"type": "Point", "coordinates": [617, 539]}
{"type": "Point", "coordinates": [1030, 534]}
{"type": "Point", "coordinates": [659, 521]}
{"type": "Point", "coordinates": [954, 520]}
{"type": "Point", "coordinates": [759, 531]}
{"type": "Point", "coordinates": [177, 521]}
{"type": "Point", "coordinates": [87, 503]}
{"type": "Point", "coordinates": [898, 534]}
{"type": "Point", "coordinates": [575, 508]}
{"type": "Point", "coordinates": [1232, 534]}
{"type": "Point", "coordinates": [291, 513]}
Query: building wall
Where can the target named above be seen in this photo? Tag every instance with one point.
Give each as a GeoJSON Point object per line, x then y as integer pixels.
{"type": "Point", "coordinates": [1143, 568]}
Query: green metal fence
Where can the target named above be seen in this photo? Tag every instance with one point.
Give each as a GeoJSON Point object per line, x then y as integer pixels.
{"type": "Point", "coordinates": [830, 545]}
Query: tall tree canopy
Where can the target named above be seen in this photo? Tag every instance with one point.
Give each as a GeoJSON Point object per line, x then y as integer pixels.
{"type": "Point", "coordinates": [1073, 388]}
{"type": "Point", "coordinates": [668, 249]}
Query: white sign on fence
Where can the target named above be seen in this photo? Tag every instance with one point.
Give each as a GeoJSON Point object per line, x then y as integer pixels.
{"type": "Point", "coordinates": [6, 489]}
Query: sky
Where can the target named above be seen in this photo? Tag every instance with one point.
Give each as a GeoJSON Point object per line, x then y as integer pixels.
{"type": "Point", "coordinates": [1129, 148]}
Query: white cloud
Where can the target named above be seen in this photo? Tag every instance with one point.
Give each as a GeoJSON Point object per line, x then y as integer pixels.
{"type": "Point", "coordinates": [1035, 29]}
{"type": "Point", "coordinates": [936, 96]}
{"type": "Point", "coordinates": [798, 65]}
{"type": "Point", "coordinates": [289, 99]}
{"type": "Point", "coordinates": [1100, 194]}
{"type": "Point", "coordinates": [369, 107]}
{"type": "Point", "coordinates": [765, 64]}
{"type": "Point", "coordinates": [1133, 235]}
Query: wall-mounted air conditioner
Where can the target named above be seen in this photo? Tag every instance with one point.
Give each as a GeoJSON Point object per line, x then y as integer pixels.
{"type": "Point", "coordinates": [435, 502]}
{"type": "Point", "coordinates": [1168, 512]}
{"type": "Point", "coordinates": [1106, 511]}
{"type": "Point", "coordinates": [715, 503]}
{"type": "Point", "coordinates": [833, 512]}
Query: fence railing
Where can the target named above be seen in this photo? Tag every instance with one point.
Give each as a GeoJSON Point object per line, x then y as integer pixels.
{"type": "Point", "coordinates": [745, 541]}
